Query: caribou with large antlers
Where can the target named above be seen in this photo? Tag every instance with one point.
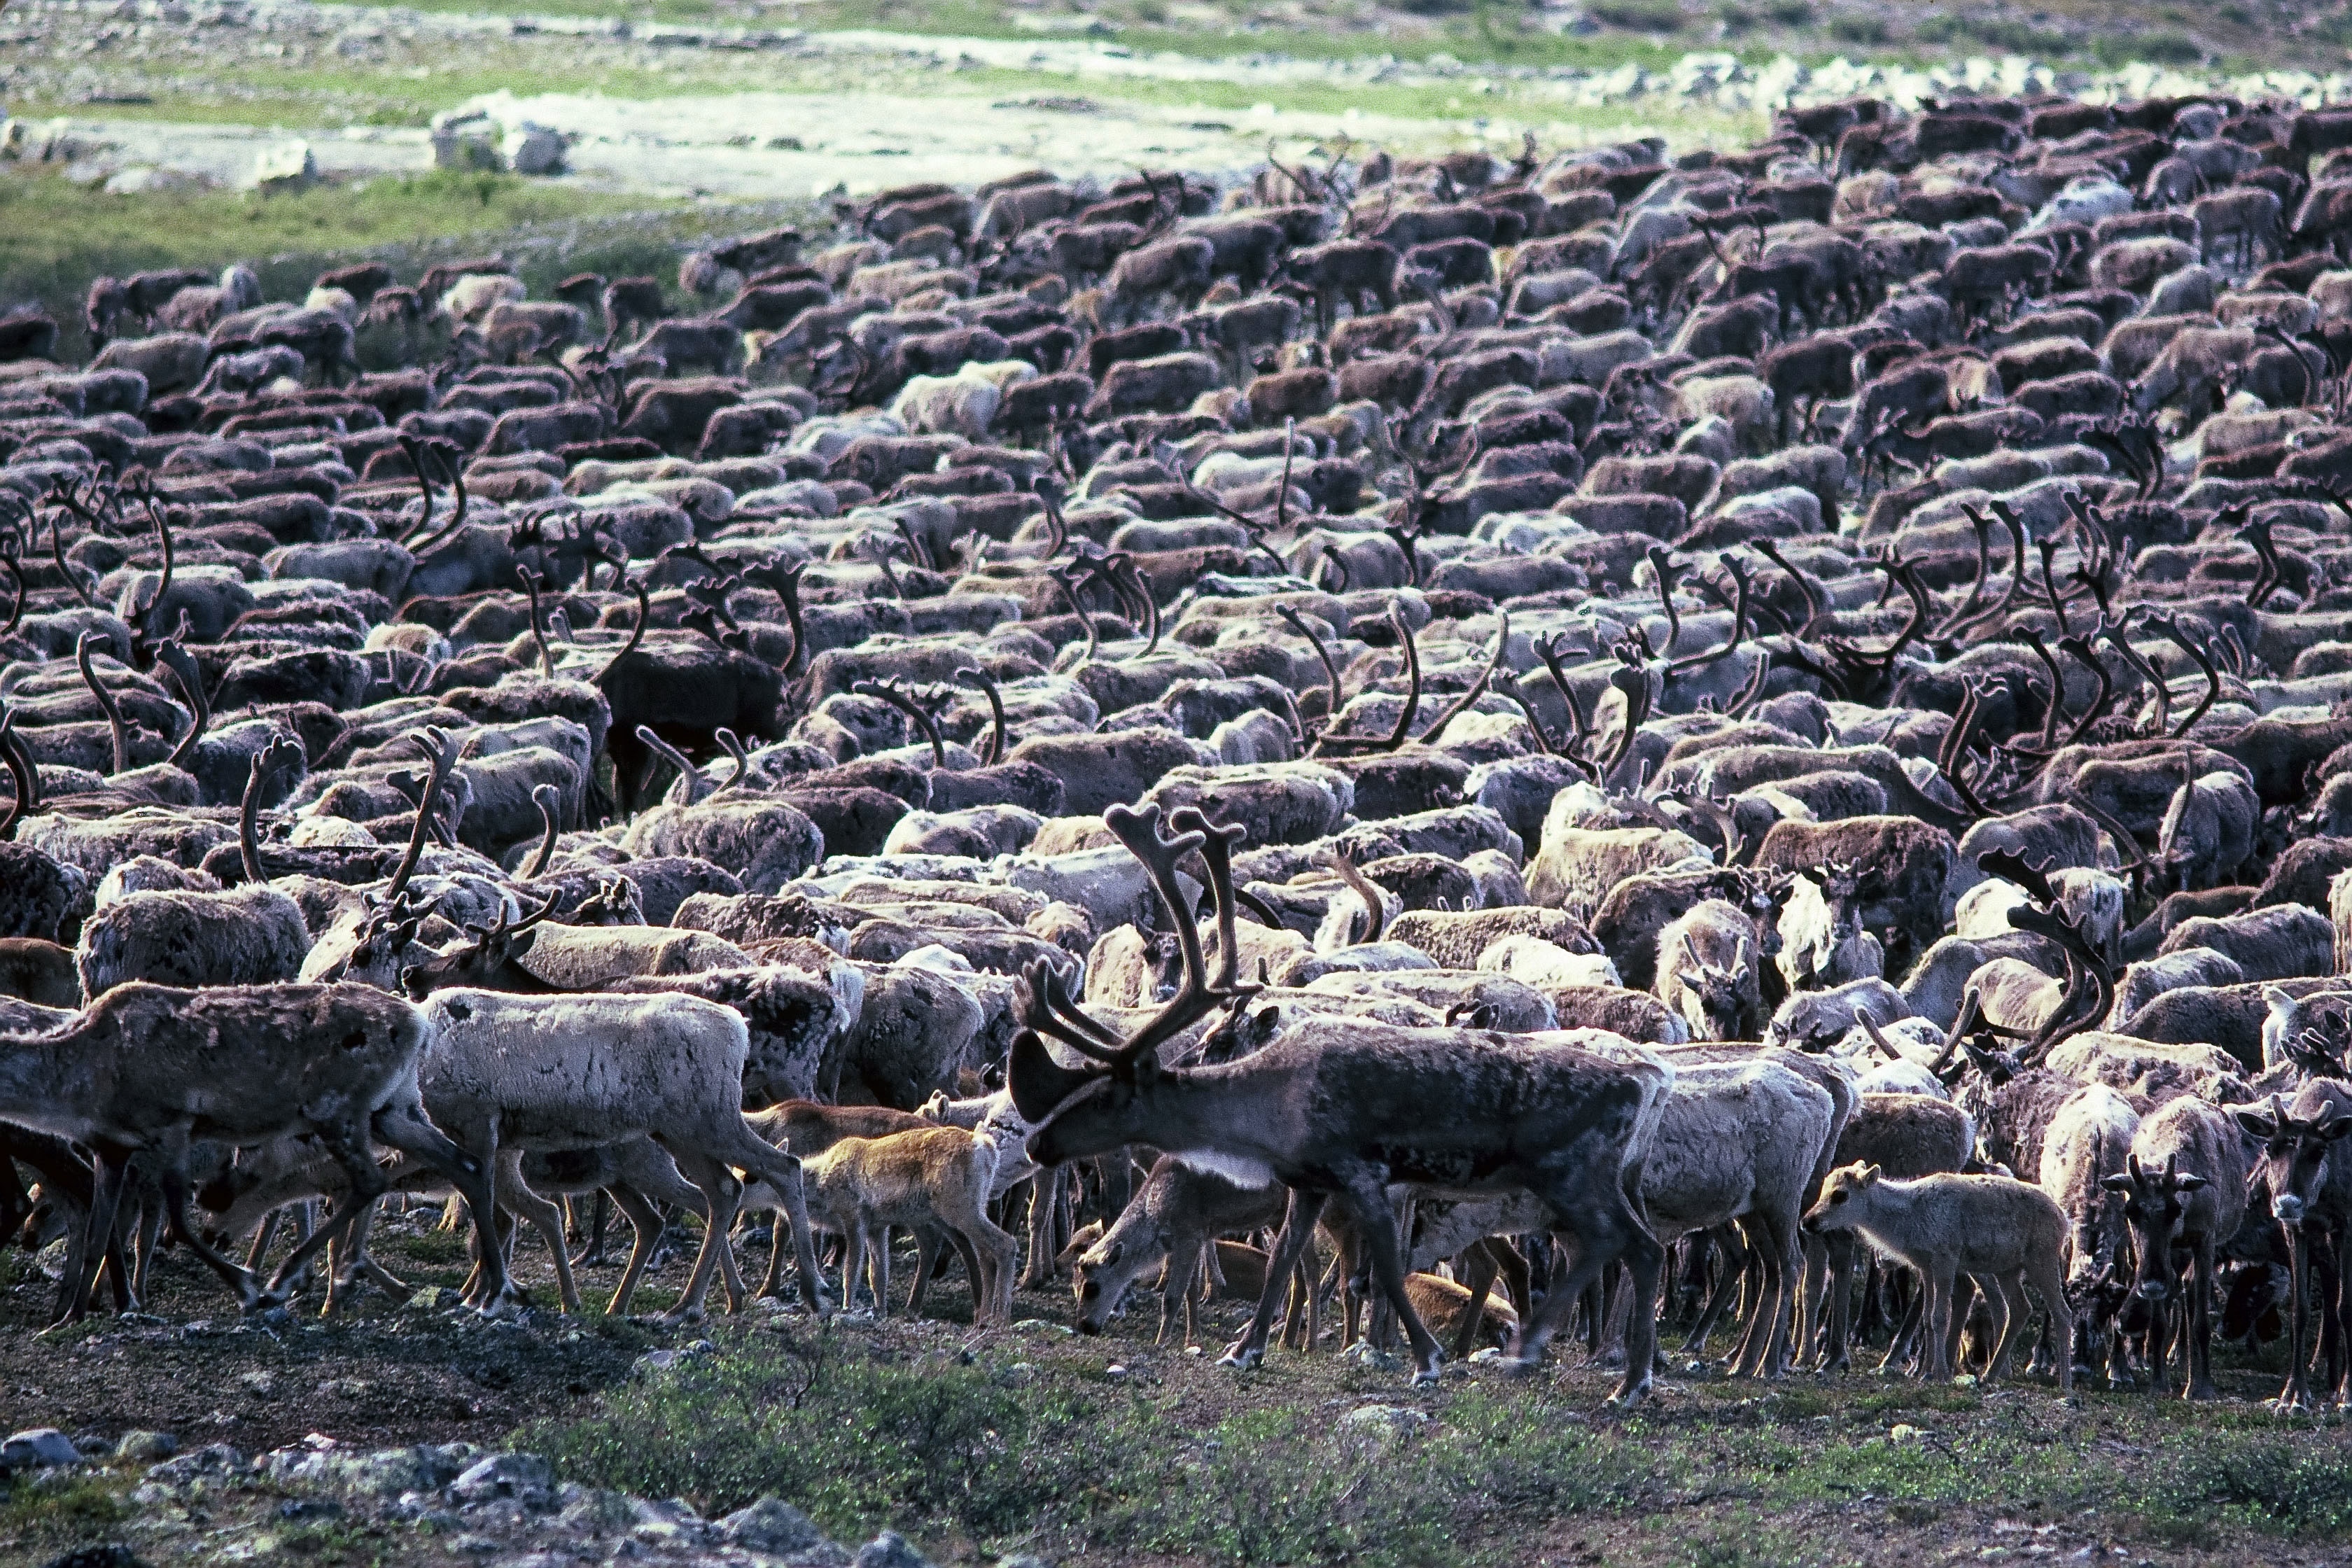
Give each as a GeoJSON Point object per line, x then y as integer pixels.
{"type": "Point", "coordinates": [1343, 1111]}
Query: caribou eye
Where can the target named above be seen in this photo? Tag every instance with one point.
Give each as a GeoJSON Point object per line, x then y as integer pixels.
{"type": "Point", "coordinates": [1837, 1197]}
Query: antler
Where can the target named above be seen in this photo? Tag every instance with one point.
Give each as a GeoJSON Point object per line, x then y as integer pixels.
{"type": "Point", "coordinates": [691, 775]}
{"type": "Point", "coordinates": [2170, 627]}
{"type": "Point", "coordinates": [638, 634]}
{"type": "Point", "coordinates": [546, 797]}
{"type": "Point", "coordinates": [2085, 970]}
{"type": "Point", "coordinates": [71, 574]}
{"type": "Point", "coordinates": [501, 930]}
{"type": "Point", "coordinates": [106, 702]}
{"type": "Point", "coordinates": [889, 691]}
{"type": "Point", "coordinates": [980, 679]}
{"type": "Point", "coordinates": [1375, 911]}
{"type": "Point", "coordinates": [1461, 703]}
{"type": "Point", "coordinates": [1040, 1000]}
{"type": "Point", "coordinates": [11, 547]}
{"type": "Point", "coordinates": [175, 658]}
{"type": "Point", "coordinates": [1331, 669]}
{"type": "Point", "coordinates": [537, 627]}
{"type": "Point", "coordinates": [20, 769]}
{"type": "Point", "coordinates": [1869, 1027]}
{"type": "Point", "coordinates": [441, 755]}
{"type": "Point", "coordinates": [281, 750]}
{"type": "Point", "coordinates": [733, 746]}
{"type": "Point", "coordinates": [1952, 755]}
{"type": "Point", "coordinates": [2012, 867]}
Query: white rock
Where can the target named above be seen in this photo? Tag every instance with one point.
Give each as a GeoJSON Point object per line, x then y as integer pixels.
{"type": "Point", "coordinates": [285, 166]}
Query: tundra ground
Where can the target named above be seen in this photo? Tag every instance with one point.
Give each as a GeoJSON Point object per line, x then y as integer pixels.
{"type": "Point", "coordinates": [980, 1443]}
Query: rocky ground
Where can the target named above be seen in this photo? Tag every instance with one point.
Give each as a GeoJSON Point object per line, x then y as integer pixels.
{"type": "Point", "coordinates": [420, 1433]}
{"type": "Point", "coordinates": [142, 92]}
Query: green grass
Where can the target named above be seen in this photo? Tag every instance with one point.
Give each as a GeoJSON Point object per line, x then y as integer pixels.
{"type": "Point", "coordinates": [52, 1518]}
{"type": "Point", "coordinates": [55, 237]}
{"type": "Point", "coordinates": [1447, 105]}
{"type": "Point", "coordinates": [1059, 1460]}
{"type": "Point", "coordinates": [1075, 1463]}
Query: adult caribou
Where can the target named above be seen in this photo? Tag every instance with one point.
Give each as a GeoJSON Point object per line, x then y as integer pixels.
{"type": "Point", "coordinates": [1343, 1111]}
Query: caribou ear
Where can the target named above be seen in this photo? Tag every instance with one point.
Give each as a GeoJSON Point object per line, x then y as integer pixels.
{"type": "Point", "coordinates": [2279, 1003]}
{"type": "Point", "coordinates": [1038, 1082]}
{"type": "Point", "coordinates": [2118, 1182]}
{"type": "Point", "coordinates": [2187, 1181]}
{"type": "Point", "coordinates": [1117, 1251]}
{"type": "Point", "coordinates": [1870, 1174]}
{"type": "Point", "coordinates": [2258, 1123]}
{"type": "Point", "coordinates": [2331, 1127]}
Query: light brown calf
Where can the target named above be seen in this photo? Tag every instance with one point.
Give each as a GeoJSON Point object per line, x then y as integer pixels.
{"type": "Point", "coordinates": [2004, 1232]}
{"type": "Point", "coordinates": [936, 1176]}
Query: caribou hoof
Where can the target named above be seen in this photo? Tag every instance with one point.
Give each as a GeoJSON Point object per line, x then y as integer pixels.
{"type": "Point", "coordinates": [1518, 1367]}
{"type": "Point", "coordinates": [1629, 1394]}
{"type": "Point", "coordinates": [1242, 1357]}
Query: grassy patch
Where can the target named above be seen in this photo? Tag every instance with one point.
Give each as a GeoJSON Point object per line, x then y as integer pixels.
{"type": "Point", "coordinates": [975, 1443]}
{"type": "Point", "coordinates": [1446, 105]}
{"type": "Point", "coordinates": [56, 237]}
{"type": "Point", "coordinates": [1070, 1462]}
{"type": "Point", "coordinates": [80, 1509]}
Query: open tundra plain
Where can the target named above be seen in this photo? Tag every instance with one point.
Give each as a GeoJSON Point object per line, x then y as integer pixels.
{"type": "Point", "coordinates": [858, 784]}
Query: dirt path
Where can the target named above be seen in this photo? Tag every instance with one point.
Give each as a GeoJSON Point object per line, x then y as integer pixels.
{"type": "Point", "coordinates": [774, 145]}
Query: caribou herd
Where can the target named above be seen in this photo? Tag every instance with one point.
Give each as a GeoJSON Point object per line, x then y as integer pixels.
{"type": "Point", "coordinates": [1536, 742]}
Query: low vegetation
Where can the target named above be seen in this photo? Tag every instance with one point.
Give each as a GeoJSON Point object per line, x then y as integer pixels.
{"type": "Point", "coordinates": [1075, 1449]}
{"type": "Point", "coordinates": [56, 237]}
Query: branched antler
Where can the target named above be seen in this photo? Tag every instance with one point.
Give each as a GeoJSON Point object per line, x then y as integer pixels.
{"type": "Point", "coordinates": [175, 658]}
{"type": "Point", "coordinates": [1042, 1001]}
{"type": "Point", "coordinates": [897, 697]}
{"type": "Point", "coordinates": [1477, 687]}
{"type": "Point", "coordinates": [281, 752]}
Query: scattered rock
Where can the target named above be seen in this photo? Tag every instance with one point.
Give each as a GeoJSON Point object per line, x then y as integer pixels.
{"type": "Point", "coordinates": [37, 1448]}
{"type": "Point", "coordinates": [1041, 1326]}
{"type": "Point", "coordinates": [533, 149]}
{"type": "Point", "coordinates": [770, 1525]}
{"type": "Point", "coordinates": [113, 1554]}
{"type": "Point", "coordinates": [213, 1462]}
{"type": "Point", "coordinates": [287, 167]}
{"type": "Point", "coordinates": [890, 1550]}
{"type": "Point", "coordinates": [467, 140]}
{"type": "Point", "coordinates": [146, 1447]}
{"type": "Point", "coordinates": [1386, 1425]}
{"type": "Point", "coordinates": [524, 1477]}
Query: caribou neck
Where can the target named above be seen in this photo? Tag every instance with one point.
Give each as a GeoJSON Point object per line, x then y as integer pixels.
{"type": "Point", "coordinates": [1186, 1113]}
{"type": "Point", "coordinates": [37, 1074]}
